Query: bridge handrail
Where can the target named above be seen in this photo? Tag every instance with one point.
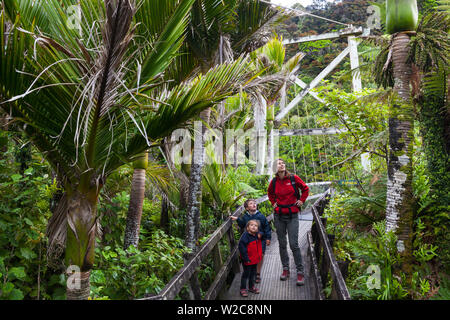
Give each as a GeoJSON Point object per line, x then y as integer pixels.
{"type": "Point", "coordinates": [318, 239]}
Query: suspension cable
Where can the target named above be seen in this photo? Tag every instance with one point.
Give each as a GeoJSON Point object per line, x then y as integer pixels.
{"type": "Point", "coordinates": [311, 144]}
{"type": "Point", "coordinates": [317, 147]}
{"type": "Point", "coordinates": [327, 167]}
{"type": "Point", "coordinates": [303, 145]}
{"type": "Point", "coordinates": [292, 148]}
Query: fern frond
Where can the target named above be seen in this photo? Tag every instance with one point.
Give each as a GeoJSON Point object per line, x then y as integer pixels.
{"type": "Point", "coordinates": [435, 83]}
{"type": "Point", "coordinates": [431, 45]}
{"type": "Point", "coordinates": [444, 5]}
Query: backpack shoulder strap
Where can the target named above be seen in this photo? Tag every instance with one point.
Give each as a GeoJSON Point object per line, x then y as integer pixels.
{"type": "Point", "coordinates": [297, 194]}
{"type": "Point", "coordinates": [274, 180]}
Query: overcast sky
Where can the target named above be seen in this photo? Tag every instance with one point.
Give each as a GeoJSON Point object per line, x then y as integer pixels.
{"type": "Point", "coordinates": [289, 3]}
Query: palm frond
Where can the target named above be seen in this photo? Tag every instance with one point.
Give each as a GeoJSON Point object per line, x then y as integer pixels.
{"type": "Point", "coordinates": [209, 20]}
{"type": "Point", "coordinates": [183, 103]}
{"type": "Point", "coordinates": [383, 68]}
{"type": "Point", "coordinates": [159, 176]}
{"type": "Point", "coordinates": [255, 19]}
{"type": "Point", "coordinates": [16, 72]}
{"type": "Point", "coordinates": [116, 37]}
{"type": "Point", "coordinates": [85, 108]}
{"type": "Point", "coordinates": [273, 73]}
{"type": "Point", "coordinates": [165, 23]}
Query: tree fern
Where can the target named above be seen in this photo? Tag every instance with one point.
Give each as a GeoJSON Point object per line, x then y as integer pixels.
{"type": "Point", "coordinates": [430, 46]}
{"type": "Point", "coordinates": [443, 5]}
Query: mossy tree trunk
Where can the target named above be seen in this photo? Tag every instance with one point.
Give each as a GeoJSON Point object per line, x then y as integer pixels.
{"type": "Point", "coordinates": [399, 200]}
{"type": "Point", "coordinates": [195, 196]}
{"type": "Point", "coordinates": [401, 20]}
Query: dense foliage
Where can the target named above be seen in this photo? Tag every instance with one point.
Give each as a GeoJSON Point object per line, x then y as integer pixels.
{"type": "Point", "coordinates": [29, 190]}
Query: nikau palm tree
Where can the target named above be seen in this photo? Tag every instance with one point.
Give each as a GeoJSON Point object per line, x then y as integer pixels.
{"type": "Point", "coordinates": [414, 51]}
{"type": "Point", "coordinates": [401, 21]}
{"type": "Point", "coordinates": [92, 98]}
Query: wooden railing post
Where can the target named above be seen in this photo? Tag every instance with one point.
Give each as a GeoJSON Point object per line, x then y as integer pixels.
{"type": "Point", "coordinates": [343, 266]}
{"type": "Point", "coordinates": [218, 264]}
{"type": "Point", "coordinates": [232, 243]}
{"type": "Point", "coordinates": [316, 241]}
{"type": "Point", "coordinates": [325, 264]}
{"type": "Point", "coordinates": [328, 261]}
{"type": "Point", "coordinates": [195, 287]}
{"type": "Point", "coordinates": [217, 258]}
{"type": "Point", "coordinates": [315, 269]}
{"type": "Point", "coordinates": [333, 294]}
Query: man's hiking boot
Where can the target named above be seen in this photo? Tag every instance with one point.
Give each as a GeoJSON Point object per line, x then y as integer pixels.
{"type": "Point", "coordinates": [300, 279]}
{"type": "Point", "coordinates": [284, 275]}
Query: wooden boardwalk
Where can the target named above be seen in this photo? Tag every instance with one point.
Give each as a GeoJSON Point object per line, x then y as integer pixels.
{"type": "Point", "coordinates": [271, 287]}
{"type": "Point", "coordinates": [313, 245]}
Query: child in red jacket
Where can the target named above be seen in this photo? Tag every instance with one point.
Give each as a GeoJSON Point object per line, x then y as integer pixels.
{"type": "Point", "coordinates": [250, 250]}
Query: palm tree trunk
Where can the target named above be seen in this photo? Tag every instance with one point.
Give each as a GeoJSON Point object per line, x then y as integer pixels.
{"type": "Point", "coordinates": [81, 286]}
{"type": "Point", "coordinates": [399, 201]}
{"type": "Point", "coordinates": [260, 114]}
{"type": "Point", "coordinates": [184, 189]}
{"type": "Point", "coordinates": [180, 174]}
{"type": "Point", "coordinates": [195, 196]}
{"type": "Point", "coordinates": [136, 202]}
{"type": "Point", "coordinates": [195, 186]}
{"type": "Point", "coordinates": [3, 137]}
{"type": "Point", "coordinates": [164, 220]}
{"type": "Point", "coordinates": [270, 140]}
{"type": "Point", "coordinates": [80, 243]}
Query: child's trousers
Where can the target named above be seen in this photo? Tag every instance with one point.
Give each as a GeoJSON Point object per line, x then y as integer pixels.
{"type": "Point", "coordinates": [250, 275]}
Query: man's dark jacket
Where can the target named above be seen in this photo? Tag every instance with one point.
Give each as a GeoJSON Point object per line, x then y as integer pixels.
{"type": "Point", "coordinates": [264, 224]}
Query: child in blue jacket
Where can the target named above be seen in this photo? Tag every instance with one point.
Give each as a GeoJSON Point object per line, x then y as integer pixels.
{"type": "Point", "coordinates": [250, 250]}
{"type": "Point", "coordinates": [253, 213]}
